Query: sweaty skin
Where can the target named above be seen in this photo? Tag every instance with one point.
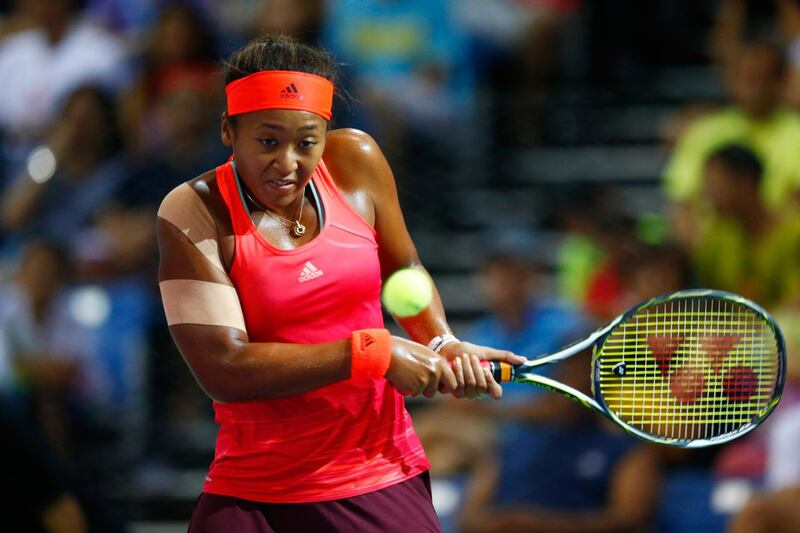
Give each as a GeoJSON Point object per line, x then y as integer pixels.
{"type": "Point", "coordinates": [184, 209]}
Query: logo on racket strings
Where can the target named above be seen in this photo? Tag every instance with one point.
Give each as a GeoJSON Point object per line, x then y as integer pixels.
{"type": "Point", "coordinates": [687, 384]}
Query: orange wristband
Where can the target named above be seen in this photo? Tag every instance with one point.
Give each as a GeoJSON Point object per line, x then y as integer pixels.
{"type": "Point", "coordinates": [371, 353]}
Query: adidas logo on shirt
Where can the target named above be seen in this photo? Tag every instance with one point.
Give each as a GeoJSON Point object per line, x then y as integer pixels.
{"type": "Point", "coordinates": [291, 92]}
{"type": "Point", "coordinates": [309, 272]}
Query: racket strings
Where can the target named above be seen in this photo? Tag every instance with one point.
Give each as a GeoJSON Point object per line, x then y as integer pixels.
{"type": "Point", "coordinates": [694, 368]}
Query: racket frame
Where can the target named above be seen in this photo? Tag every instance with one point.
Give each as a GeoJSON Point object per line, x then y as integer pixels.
{"type": "Point", "coordinates": [525, 373]}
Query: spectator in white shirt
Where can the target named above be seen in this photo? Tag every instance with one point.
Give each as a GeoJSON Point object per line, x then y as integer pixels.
{"type": "Point", "coordinates": [41, 65]}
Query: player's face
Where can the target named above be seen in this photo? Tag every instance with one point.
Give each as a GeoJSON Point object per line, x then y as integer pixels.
{"type": "Point", "coordinates": [276, 151]}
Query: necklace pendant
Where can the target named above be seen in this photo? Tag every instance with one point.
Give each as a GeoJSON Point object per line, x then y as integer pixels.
{"type": "Point", "coordinates": [299, 229]}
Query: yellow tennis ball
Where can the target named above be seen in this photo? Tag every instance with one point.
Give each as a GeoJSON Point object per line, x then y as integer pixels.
{"type": "Point", "coordinates": [407, 292]}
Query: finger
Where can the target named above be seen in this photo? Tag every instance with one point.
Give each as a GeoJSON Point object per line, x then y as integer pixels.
{"type": "Point", "coordinates": [447, 381]}
{"type": "Point", "coordinates": [469, 378]}
{"type": "Point", "coordinates": [495, 390]}
{"type": "Point", "coordinates": [433, 381]}
{"type": "Point", "coordinates": [430, 389]}
{"type": "Point", "coordinates": [503, 355]}
{"type": "Point", "coordinates": [480, 375]}
{"type": "Point", "coordinates": [458, 372]}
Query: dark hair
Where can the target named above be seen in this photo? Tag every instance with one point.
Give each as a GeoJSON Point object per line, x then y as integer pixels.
{"type": "Point", "coordinates": [740, 160]}
{"type": "Point", "coordinates": [279, 52]}
{"type": "Point", "coordinates": [107, 106]}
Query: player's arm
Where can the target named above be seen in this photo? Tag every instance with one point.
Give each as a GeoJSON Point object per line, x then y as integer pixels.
{"type": "Point", "coordinates": [361, 170]}
{"type": "Point", "coordinates": [207, 324]}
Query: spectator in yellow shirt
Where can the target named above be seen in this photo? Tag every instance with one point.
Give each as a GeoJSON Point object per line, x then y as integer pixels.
{"type": "Point", "coordinates": [745, 247]}
{"type": "Point", "coordinates": [755, 120]}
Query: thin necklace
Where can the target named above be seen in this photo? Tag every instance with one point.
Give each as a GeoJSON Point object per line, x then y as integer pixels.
{"type": "Point", "coordinates": [297, 228]}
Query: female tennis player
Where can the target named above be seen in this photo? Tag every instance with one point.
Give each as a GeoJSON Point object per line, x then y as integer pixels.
{"type": "Point", "coordinates": [270, 274]}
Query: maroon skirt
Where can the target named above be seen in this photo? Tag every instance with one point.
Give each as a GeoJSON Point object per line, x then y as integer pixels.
{"type": "Point", "coordinates": [404, 507]}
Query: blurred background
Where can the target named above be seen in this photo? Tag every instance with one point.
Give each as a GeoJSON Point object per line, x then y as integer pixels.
{"type": "Point", "coordinates": [558, 161]}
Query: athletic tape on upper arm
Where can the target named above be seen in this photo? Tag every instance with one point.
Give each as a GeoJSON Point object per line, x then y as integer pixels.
{"type": "Point", "coordinates": [189, 301]}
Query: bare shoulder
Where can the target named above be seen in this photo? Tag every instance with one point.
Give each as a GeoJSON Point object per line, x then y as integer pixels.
{"type": "Point", "coordinates": [351, 142]}
{"type": "Point", "coordinates": [201, 190]}
{"type": "Point", "coordinates": [201, 187]}
{"type": "Point", "coordinates": [355, 160]}
{"type": "Point", "coordinates": [205, 185]}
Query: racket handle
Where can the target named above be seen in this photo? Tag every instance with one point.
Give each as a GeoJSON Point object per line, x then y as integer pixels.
{"type": "Point", "coordinates": [502, 372]}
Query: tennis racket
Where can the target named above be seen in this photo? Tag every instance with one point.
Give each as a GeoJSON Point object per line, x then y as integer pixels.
{"type": "Point", "coordinates": [689, 369]}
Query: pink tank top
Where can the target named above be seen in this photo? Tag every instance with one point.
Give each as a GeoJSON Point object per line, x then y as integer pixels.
{"type": "Point", "coordinates": [337, 441]}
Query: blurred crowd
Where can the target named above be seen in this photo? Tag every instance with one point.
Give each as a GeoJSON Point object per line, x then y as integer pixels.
{"type": "Point", "coordinates": [730, 187]}
{"type": "Point", "coordinates": [107, 105]}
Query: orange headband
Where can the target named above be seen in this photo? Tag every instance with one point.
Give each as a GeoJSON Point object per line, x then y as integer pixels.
{"type": "Point", "coordinates": [280, 89]}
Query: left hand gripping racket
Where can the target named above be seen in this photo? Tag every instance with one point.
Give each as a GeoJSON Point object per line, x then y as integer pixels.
{"type": "Point", "coordinates": [689, 369]}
